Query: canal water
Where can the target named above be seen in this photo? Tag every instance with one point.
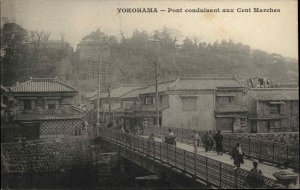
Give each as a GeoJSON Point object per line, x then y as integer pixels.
{"type": "Point", "coordinates": [121, 175]}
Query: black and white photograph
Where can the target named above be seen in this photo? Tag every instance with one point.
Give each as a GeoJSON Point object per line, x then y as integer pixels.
{"type": "Point", "coordinates": [149, 95]}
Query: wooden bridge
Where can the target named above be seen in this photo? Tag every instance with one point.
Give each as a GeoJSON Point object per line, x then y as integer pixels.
{"type": "Point", "coordinates": [175, 164]}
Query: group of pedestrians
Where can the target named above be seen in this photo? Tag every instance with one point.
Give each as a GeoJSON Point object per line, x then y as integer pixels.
{"type": "Point", "coordinates": [208, 141]}
{"type": "Point", "coordinates": [237, 153]}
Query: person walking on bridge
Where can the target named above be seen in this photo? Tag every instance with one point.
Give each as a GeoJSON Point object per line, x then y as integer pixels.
{"type": "Point", "coordinates": [237, 155]}
{"type": "Point", "coordinates": [196, 140]}
{"type": "Point", "coordinates": [211, 140]}
{"type": "Point", "coordinates": [255, 178]}
{"type": "Point", "coordinates": [219, 142]}
{"type": "Point", "coordinates": [207, 141]}
{"type": "Point", "coordinates": [171, 132]}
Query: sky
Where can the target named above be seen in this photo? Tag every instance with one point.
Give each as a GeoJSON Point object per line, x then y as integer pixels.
{"type": "Point", "coordinates": [271, 32]}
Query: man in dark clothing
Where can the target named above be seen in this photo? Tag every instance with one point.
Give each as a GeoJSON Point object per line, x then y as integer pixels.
{"type": "Point", "coordinates": [211, 140]}
{"type": "Point", "coordinates": [110, 124]}
{"type": "Point", "coordinates": [254, 178]}
{"type": "Point", "coordinates": [219, 142]}
{"type": "Point", "coordinates": [207, 141]}
{"type": "Point", "coordinates": [237, 155]}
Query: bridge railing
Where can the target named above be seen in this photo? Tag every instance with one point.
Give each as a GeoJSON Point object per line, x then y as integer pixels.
{"type": "Point", "coordinates": [208, 170]}
{"type": "Point", "coordinates": [263, 150]}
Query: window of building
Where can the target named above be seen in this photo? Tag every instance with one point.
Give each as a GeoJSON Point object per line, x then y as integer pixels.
{"type": "Point", "coordinates": [274, 124]}
{"type": "Point", "coordinates": [51, 104]}
{"type": "Point", "coordinates": [128, 104]}
{"type": "Point", "coordinates": [149, 100]}
{"type": "Point", "coordinates": [225, 124]}
{"type": "Point", "coordinates": [27, 104]}
{"type": "Point", "coordinates": [243, 122]}
{"type": "Point", "coordinates": [274, 108]}
{"type": "Point", "coordinates": [189, 103]}
{"type": "Point", "coordinates": [224, 99]}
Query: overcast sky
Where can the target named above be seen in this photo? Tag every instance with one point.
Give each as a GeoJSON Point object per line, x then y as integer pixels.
{"type": "Point", "coordinates": [272, 32]}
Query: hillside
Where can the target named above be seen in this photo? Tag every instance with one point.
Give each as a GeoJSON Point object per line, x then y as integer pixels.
{"type": "Point", "coordinates": [132, 59]}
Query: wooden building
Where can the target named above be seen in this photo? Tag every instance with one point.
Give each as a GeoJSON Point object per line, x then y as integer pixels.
{"type": "Point", "coordinates": [46, 107]}
{"type": "Point", "coordinates": [113, 99]}
{"type": "Point", "coordinates": [273, 109]}
{"type": "Point", "coordinates": [193, 103]}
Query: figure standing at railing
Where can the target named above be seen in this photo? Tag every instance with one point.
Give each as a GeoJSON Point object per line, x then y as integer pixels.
{"type": "Point", "coordinates": [219, 142]}
{"type": "Point", "coordinates": [151, 137]}
{"type": "Point", "coordinates": [255, 178]}
{"type": "Point", "coordinates": [211, 140]}
{"type": "Point", "coordinates": [171, 132]}
{"type": "Point", "coordinates": [237, 154]}
{"type": "Point", "coordinates": [196, 140]}
{"type": "Point", "coordinates": [207, 141]}
{"type": "Point", "coordinates": [122, 129]}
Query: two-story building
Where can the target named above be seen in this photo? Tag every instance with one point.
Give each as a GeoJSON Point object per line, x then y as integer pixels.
{"type": "Point", "coordinates": [206, 104]}
{"type": "Point", "coordinates": [138, 106]}
{"type": "Point", "coordinates": [46, 107]}
{"type": "Point", "coordinates": [112, 99]}
{"type": "Point", "coordinates": [193, 103]}
{"type": "Point", "coordinates": [273, 109]}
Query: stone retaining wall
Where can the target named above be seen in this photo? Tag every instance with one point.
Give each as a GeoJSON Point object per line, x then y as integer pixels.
{"type": "Point", "coordinates": [45, 154]}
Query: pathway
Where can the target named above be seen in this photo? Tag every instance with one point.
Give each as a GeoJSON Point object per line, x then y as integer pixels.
{"type": "Point", "coordinates": [267, 170]}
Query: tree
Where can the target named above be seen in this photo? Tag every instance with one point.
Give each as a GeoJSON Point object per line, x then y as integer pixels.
{"type": "Point", "coordinates": [13, 39]}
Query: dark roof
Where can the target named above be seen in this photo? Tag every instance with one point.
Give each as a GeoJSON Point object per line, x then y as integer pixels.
{"type": "Point", "coordinates": [118, 92]}
{"type": "Point", "coordinates": [266, 94]}
{"type": "Point", "coordinates": [37, 117]}
{"type": "Point", "coordinates": [43, 85]}
{"type": "Point", "coordinates": [188, 83]}
{"type": "Point", "coordinates": [133, 93]}
{"type": "Point", "coordinates": [203, 83]}
{"type": "Point", "coordinates": [230, 108]}
{"type": "Point", "coordinates": [161, 87]}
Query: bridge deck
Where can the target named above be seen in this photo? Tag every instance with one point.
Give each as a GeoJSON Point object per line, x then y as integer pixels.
{"type": "Point", "coordinates": [267, 169]}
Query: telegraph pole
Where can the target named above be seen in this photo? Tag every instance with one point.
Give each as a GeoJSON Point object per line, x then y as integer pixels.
{"type": "Point", "coordinates": [98, 98]}
{"type": "Point", "coordinates": [156, 93]}
{"type": "Point", "coordinates": [109, 83]}
{"type": "Point", "coordinates": [156, 82]}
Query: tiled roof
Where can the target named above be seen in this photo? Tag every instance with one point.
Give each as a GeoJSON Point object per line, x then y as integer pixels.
{"type": "Point", "coordinates": [43, 85]}
{"type": "Point", "coordinates": [161, 87]}
{"type": "Point", "coordinates": [200, 83]}
{"type": "Point", "coordinates": [230, 108]}
{"type": "Point", "coordinates": [188, 83]}
{"type": "Point", "coordinates": [4, 89]}
{"type": "Point", "coordinates": [120, 91]}
{"type": "Point", "coordinates": [275, 94]}
{"type": "Point", "coordinates": [133, 93]}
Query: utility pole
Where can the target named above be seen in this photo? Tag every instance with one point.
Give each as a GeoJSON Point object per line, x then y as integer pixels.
{"type": "Point", "coordinates": [109, 103]}
{"type": "Point", "coordinates": [156, 82]}
{"type": "Point", "coordinates": [98, 98]}
{"type": "Point", "coordinates": [156, 93]}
